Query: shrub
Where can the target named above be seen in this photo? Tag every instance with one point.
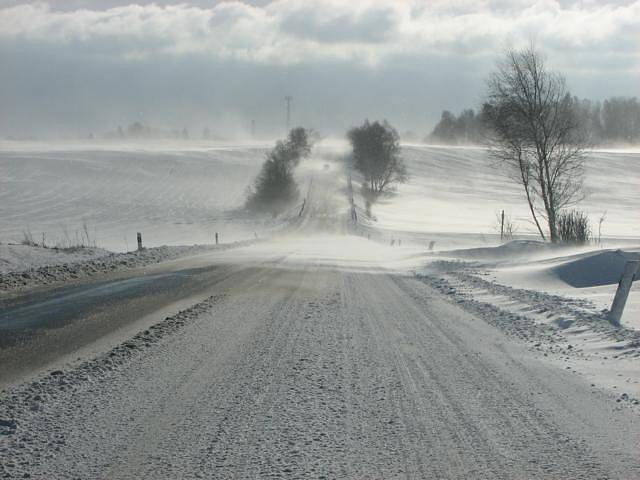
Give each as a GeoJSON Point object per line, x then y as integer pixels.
{"type": "Point", "coordinates": [27, 239]}
{"type": "Point", "coordinates": [275, 188]}
{"type": "Point", "coordinates": [574, 227]}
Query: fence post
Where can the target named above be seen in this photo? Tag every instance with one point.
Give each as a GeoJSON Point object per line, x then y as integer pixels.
{"type": "Point", "coordinates": [216, 238]}
{"type": "Point", "coordinates": [502, 226]}
{"type": "Point", "coordinates": [622, 293]}
{"type": "Point", "coordinates": [139, 241]}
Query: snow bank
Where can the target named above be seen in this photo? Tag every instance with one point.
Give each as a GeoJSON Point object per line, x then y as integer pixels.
{"type": "Point", "coordinates": [582, 275]}
{"type": "Point", "coordinates": [594, 269]}
{"type": "Point", "coordinates": [48, 274]}
{"type": "Point", "coordinates": [568, 332]}
{"type": "Point", "coordinates": [16, 258]}
{"type": "Point", "coordinates": [507, 251]}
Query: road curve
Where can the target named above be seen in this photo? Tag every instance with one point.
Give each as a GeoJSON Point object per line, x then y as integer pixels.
{"type": "Point", "coordinates": [313, 373]}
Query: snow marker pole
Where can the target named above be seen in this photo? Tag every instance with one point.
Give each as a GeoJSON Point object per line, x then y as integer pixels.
{"type": "Point", "coordinates": [139, 241]}
{"type": "Point", "coordinates": [622, 293]}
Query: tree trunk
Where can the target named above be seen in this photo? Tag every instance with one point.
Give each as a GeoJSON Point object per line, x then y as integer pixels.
{"type": "Point", "coordinates": [553, 226]}
{"type": "Point", "coordinates": [524, 176]}
{"type": "Point", "coordinates": [533, 214]}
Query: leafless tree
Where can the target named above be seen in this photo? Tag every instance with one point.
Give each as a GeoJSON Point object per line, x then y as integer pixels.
{"type": "Point", "coordinates": [535, 136]}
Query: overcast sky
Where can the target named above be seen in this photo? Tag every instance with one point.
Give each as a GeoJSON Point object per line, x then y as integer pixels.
{"type": "Point", "coordinates": [75, 66]}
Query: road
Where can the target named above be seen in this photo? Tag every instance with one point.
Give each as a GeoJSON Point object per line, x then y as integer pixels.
{"type": "Point", "coordinates": [314, 373]}
{"type": "Point", "coordinates": [48, 328]}
{"type": "Point", "coordinates": [296, 367]}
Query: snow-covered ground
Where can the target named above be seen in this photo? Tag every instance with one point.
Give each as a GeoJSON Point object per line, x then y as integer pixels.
{"type": "Point", "coordinates": [174, 194]}
{"type": "Point", "coordinates": [36, 266]}
{"type": "Point", "coordinates": [314, 373]}
{"type": "Point", "coordinates": [554, 298]}
{"type": "Point", "coordinates": [319, 348]}
{"type": "Point", "coordinates": [592, 275]}
{"type": "Point", "coordinates": [452, 199]}
{"type": "Point", "coordinates": [17, 258]}
{"type": "Point", "coordinates": [457, 190]}
{"type": "Point", "coordinates": [181, 193]}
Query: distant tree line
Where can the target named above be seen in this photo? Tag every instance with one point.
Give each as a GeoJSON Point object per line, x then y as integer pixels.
{"type": "Point", "coordinates": [468, 127]}
{"type": "Point", "coordinates": [137, 130]}
{"type": "Point", "coordinates": [615, 120]}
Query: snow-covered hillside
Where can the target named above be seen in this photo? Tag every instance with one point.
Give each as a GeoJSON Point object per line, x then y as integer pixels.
{"type": "Point", "coordinates": [183, 193]}
{"type": "Point", "coordinates": [457, 190]}
{"type": "Point", "coordinates": [173, 195]}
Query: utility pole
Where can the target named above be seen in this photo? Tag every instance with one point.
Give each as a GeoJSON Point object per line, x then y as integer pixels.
{"type": "Point", "coordinates": [288, 99]}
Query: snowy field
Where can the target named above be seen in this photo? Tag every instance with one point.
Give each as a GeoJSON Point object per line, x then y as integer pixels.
{"type": "Point", "coordinates": [455, 189]}
{"type": "Point", "coordinates": [174, 196]}
{"type": "Point", "coordinates": [182, 193]}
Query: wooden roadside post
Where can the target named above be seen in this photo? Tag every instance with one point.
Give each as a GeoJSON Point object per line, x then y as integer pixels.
{"type": "Point", "coordinates": [139, 241]}
{"type": "Point", "coordinates": [216, 238]}
{"type": "Point", "coordinates": [622, 293]}
{"type": "Point", "coordinates": [502, 226]}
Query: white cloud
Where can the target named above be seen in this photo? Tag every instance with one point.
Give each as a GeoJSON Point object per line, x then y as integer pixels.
{"type": "Point", "coordinates": [298, 31]}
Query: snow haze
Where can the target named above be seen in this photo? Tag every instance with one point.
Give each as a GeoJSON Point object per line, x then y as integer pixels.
{"type": "Point", "coordinates": [76, 67]}
{"type": "Point", "coordinates": [319, 239]}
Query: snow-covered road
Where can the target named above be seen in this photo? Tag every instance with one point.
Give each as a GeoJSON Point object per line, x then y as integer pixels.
{"type": "Point", "coordinates": [316, 373]}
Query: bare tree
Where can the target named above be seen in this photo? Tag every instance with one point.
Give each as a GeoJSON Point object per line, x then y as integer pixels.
{"type": "Point", "coordinates": [534, 132]}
